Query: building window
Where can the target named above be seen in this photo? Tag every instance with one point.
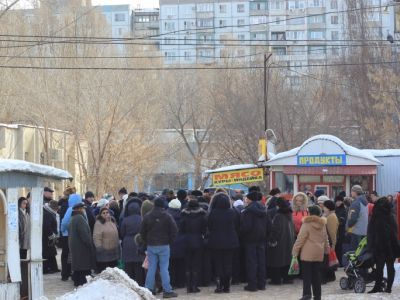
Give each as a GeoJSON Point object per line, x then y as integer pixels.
{"type": "Point", "coordinates": [119, 17]}
{"type": "Point", "coordinates": [205, 22]}
{"type": "Point", "coordinates": [317, 35]}
{"type": "Point", "coordinates": [240, 8]}
{"type": "Point", "coordinates": [315, 50]}
{"type": "Point", "coordinates": [240, 22]}
{"type": "Point", "coordinates": [279, 50]}
{"type": "Point", "coordinates": [278, 36]}
{"type": "Point", "coordinates": [295, 35]}
{"type": "Point", "coordinates": [241, 37]}
{"type": "Point", "coordinates": [316, 19]}
{"type": "Point", "coordinates": [222, 8]}
{"type": "Point", "coordinates": [222, 23]}
{"type": "Point", "coordinates": [205, 7]}
{"type": "Point", "coordinates": [170, 26]}
{"type": "Point", "coordinates": [284, 182]}
{"type": "Point", "coordinates": [258, 36]}
{"type": "Point", "coordinates": [315, 3]}
{"type": "Point", "coordinates": [335, 35]}
{"type": "Point", "coordinates": [335, 51]}
{"type": "Point", "coordinates": [334, 20]}
{"type": "Point", "coordinates": [120, 32]}
{"type": "Point", "coordinates": [277, 4]}
{"type": "Point", "coordinates": [187, 55]}
{"type": "Point", "coordinates": [258, 20]}
{"type": "Point", "coordinates": [296, 4]}
{"type": "Point", "coordinates": [334, 4]}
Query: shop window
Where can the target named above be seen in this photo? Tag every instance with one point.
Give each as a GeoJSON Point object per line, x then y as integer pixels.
{"type": "Point", "coordinates": [363, 181]}
{"type": "Point", "coordinates": [284, 182]}
{"type": "Point", "coordinates": [309, 178]}
{"type": "Point", "coordinates": [333, 179]}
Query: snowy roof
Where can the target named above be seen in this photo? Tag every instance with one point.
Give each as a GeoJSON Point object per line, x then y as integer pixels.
{"type": "Point", "coordinates": [13, 165]}
{"type": "Point", "coordinates": [16, 126]}
{"type": "Point", "coordinates": [349, 150]}
{"type": "Point", "coordinates": [232, 168]}
{"type": "Point", "coordinates": [383, 152]}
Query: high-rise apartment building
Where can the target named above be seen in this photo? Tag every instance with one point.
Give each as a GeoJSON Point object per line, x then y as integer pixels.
{"type": "Point", "coordinates": [297, 32]}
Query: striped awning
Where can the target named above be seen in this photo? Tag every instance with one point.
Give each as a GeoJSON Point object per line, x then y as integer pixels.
{"type": "Point", "coordinates": [332, 170]}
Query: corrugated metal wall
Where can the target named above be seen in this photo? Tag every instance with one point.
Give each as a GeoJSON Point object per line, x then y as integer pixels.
{"type": "Point", "coordinates": [388, 178]}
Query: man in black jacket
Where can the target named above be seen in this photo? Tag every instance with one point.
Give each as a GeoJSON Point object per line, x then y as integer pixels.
{"type": "Point", "coordinates": [255, 225]}
{"type": "Point", "coordinates": [49, 237]}
{"type": "Point", "coordinates": [158, 231]}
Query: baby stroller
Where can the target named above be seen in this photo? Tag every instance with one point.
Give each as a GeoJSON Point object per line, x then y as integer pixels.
{"type": "Point", "coordinates": [360, 269]}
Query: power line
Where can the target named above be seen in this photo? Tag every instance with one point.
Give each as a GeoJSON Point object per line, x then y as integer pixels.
{"type": "Point", "coordinates": [271, 22]}
{"type": "Point", "coordinates": [194, 68]}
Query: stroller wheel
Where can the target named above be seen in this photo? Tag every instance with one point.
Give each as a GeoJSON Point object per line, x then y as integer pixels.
{"type": "Point", "coordinates": [359, 286]}
{"type": "Point", "coordinates": [384, 284]}
{"type": "Point", "coordinates": [344, 283]}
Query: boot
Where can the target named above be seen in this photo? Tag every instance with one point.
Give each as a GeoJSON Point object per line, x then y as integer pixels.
{"type": "Point", "coordinates": [376, 289]}
{"type": "Point", "coordinates": [188, 282]}
{"type": "Point", "coordinates": [227, 284]}
{"type": "Point", "coordinates": [195, 289]}
{"type": "Point", "coordinates": [219, 289]}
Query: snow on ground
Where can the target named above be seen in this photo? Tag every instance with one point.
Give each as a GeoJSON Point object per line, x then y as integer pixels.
{"type": "Point", "coordinates": [111, 284]}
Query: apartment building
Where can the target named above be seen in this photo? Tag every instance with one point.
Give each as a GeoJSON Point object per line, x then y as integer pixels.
{"type": "Point", "coordinates": [297, 32]}
{"type": "Point", "coordinates": [53, 147]}
{"type": "Point", "coordinates": [118, 17]}
{"type": "Point", "coordinates": [145, 22]}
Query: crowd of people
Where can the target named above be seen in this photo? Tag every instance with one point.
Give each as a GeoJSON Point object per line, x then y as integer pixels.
{"type": "Point", "coordinates": [196, 238]}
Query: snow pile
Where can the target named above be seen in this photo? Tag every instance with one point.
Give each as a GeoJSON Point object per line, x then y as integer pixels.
{"type": "Point", "coordinates": [351, 296]}
{"type": "Point", "coordinates": [111, 284]}
{"type": "Point", "coordinates": [396, 281]}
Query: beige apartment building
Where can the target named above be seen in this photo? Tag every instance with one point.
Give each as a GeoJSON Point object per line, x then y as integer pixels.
{"type": "Point", "coordinates": [47, 146]}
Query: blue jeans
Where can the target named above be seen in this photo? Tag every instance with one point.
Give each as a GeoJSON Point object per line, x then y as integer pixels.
{"type": "Point", "coordinates": [158, 255]}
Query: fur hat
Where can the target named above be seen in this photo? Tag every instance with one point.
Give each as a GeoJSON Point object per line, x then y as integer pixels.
{"type": "Point", "coordinates": [159, 202]}
{"type": "Point", "coordinates": [254, 196]}
{"type": "Point", "coordinates": [275, 191]}
{"type": "Point", "coordinates": [175, 204]}
{"type": "Point", "coordinates": [193, 203]}
{"type": "Point", "coordinates": [102, 202]}
{"type": "Point", "coordinates": [315, 210]}
{"type": "Point", "coordinates": [329, 204]}
{"type": "Point", "coordinates": [238, 203]}
{"type": "Point", "coordinates": [147, 206]}
{"type": "Point", "coordinates": [357, 189]}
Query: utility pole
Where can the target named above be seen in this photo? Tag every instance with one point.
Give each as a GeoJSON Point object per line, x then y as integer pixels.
{"type": "Point", "coordinates": [266, 83]}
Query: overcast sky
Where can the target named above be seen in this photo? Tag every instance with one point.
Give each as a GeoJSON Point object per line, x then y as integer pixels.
{"type": "Point", "coordinates": [133, 3]}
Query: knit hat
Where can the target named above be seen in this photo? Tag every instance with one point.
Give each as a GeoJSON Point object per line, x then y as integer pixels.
{"type": "Point", "coordinates": [319, 193]}
{"type": "Point", "coordinates": [89, 194]}
{"type": "Point", "coordinates": [329, 205]}
{"type": "Point", "coordinates": [175, 204]}
{"type": "Point", "coordinates": [78, 205]}
{"type": "Point", "coordinates": [275, 191]}
{"type": "Point", "coordinates": [181, 194]}
{"type": "Point", "coordinates": [238, 203]}
{"type": "Point", "coordinates": [147, 206]}
{"type": "Point", "coordinates": [159, 202]}
{"type": "Point", "coordinates": [254, 196]}
{"type": "Point", "coordinates": [282, 203]}
{"type": "Point", "coordinates": [322, 199]}
{"type": "Point", "coordinates": [254, 188]}
{"type": "Point", "coordinates": [193, 203]}
{"type": "Point", "coordinates": [196, 193]}
{"type": "Point", "coordinates": [314, 210]}
{"type": "Point", "coordinates": [357, 189]}
{"type": "Point", "coordinates": [339, 198]}
{"type": "Point", "coordinates": [102, 202]}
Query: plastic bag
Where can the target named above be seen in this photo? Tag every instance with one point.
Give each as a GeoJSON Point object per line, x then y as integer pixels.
{"type": "Point", "coordinates": [294, 266]}
{"type": "Point", "coordinates": [333, 262]}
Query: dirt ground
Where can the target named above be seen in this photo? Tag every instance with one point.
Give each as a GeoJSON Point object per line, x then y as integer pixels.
{"type": "Point", "coordinates": [54, 287]}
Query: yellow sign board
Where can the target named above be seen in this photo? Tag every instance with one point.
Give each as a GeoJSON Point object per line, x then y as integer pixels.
{"type": "Point", "coordinates": [237, 176]}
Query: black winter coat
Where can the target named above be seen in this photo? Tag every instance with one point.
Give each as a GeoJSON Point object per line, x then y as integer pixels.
{"type": "Point", "coordinates": [129, 228]}
{"type": "Point", "coordinates": [63, 205]}
{"type": "Point", "coordinates": [49, 232]}
{"type": "Point", "coordinates": [194, 227]}
{"type": "Point", "coordinates": [223, 227]}
{"type": "Point", "coordinates": [90, 215]}
{"type": "Point", "coordinates": [158, 228]}
{"type": "Point", "coordinates": [80, 243]}
{"type": "Point", "coordinates": [255, 224]}
{"type": "Point", "coordinates": [281, 240]}
{"type": "Point", "coordinates": [382, 236]}
{"type": "Point", "coordinates": [341, 214]}
{"type": "Point", "coordinates": [178, 246]}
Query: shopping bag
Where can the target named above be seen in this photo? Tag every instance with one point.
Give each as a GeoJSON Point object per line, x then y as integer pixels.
{"type": "Point", "coordinates": [294, 266]}
{"type": "Point", "coordinates": [333, 262]}
{"type": "Point", "coordinates": [121, 265]}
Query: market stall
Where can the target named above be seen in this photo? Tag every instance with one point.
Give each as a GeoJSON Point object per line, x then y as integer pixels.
{"type": "Point", "coordinates": [14, 175]}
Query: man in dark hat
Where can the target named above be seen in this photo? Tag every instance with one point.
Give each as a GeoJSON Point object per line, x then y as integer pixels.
{"type": "Point", "coordinates": [122, 193]}
{"type": "Point", "coordinates": [158, 231]}
{"type": "Point", "coordinates": [272, 207]}
{"type": "Point", "coordinates": [88, 201]}
{"type": "Point", "coordinates": [254, 224]}
{"type": "Point", "coordinates": [47, 195]}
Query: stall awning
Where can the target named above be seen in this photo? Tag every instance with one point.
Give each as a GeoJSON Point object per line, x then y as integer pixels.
{"type": "Point", "coordinates": [335, 170]}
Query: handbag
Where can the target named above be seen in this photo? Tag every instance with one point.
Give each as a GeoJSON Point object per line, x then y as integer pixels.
{"type": "Point", "coordinates": [294, 268]}
{"type": "Point", "coordinates": [145, 264]}
{"type": "Point", "coordinates": [333, 262]}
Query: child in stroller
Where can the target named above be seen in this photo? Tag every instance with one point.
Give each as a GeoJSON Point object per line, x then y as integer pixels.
{"type": "Point", "coordinates": [360, 269]}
